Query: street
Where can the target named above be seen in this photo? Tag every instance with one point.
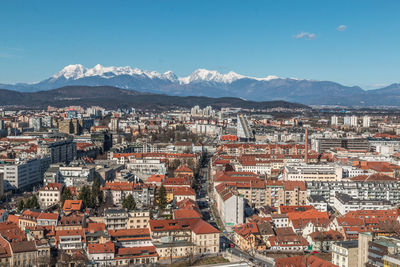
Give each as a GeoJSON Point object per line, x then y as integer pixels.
{"type": "Point", "coordinates": [204, 200]}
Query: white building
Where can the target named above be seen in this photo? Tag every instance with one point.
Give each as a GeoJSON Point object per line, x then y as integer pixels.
{"type": "Point", "coordinates": [101, 254]}
{"type": "Point", "coordinates": [303, 172]}
{"type": "Point", "coordinates": [344, 203]}
{"type": "Point", "coordinates": [280, 220]}
{"type": "Point", "coordinates": [146, 167]}
{"type": "Point", "coordinates": [230, 205]}
{"type": "Point", "coordinates": [70, 240]}
{"type": "Point", "coordinates": [334, 120]}
{"type": "Point", "coordinates": [366, 121]}
{"type": "Point", "coordinates": [50, 195]}
{"type": "Point", "coordinates": [350, 121]}
{"type": "Point", "coordinates": [23, 174]}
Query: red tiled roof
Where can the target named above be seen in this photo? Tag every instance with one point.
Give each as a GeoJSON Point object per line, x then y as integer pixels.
{"type": "Point", "coordinates": [198, 226]}
{"type": "Point", "coordinates": [51, 187]}
{"type": "Point", "coordinates": [136, 252]}
{"type": "Point", "coordinates": [183, 168]}
{"type": "Point", "coordinates": [135, 232]}
{"type": "Point", "coordinates": [72, 205]}
{"type": "Point", "coordinates": [11, 231]}
{"type": "Point", "coordinates": [303, 261]}
{"type": "Point", "coordinates": [291, 185]}
{"type": "Point", "coordinates": [374, 177]}
{"type": "Point", "coordinates": [96, 227]}
{"type": "Point", "coordinates": [156, 178]}
{"type": "Point", "coordinates": [186, 214]}
{"type": "Point", "coordinates": [118, 186]}
{"type": "Point", "coordinates": [183, 191]}
{"type": "Point", "coordinates": [48, 216]}
{"type": "Point", "coordinates": [173, 181]}
{"type": "Point", "coordinates": [101, 248]}
{"type": "Point", "coordinates": [79, 232]}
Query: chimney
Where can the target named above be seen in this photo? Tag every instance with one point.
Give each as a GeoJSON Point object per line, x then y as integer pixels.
{"type": "Point", "coordinates": [306, 147]}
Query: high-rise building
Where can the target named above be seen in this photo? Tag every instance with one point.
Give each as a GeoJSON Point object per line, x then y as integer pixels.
{"type": "Point", "coordinates": [363, 240]}
{"type": "Point", "coordinates": [48, 121]}
{"type": "Point", "coordinates": [35, 123]}
{"type": "Point", "coordinates": [71, 126]}
{"type": "Point", "coordinates": [334, 120]}
{"type": "Point", "coordinates": [350, 121]}
{"type": "Point", "coordinates": [60, 151]}
{"type": "Point", "coordinates": [114, 124]}
{"type": "Point", "coordinates": [366, 121]}
{"type": "Point", "coordinates": [23, 174]}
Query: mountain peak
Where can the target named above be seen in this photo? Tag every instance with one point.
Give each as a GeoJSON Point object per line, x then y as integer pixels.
{"type": "Point", "coordinates": [74, 71]}
{"type": "Point", "coordinates": [77, 71]}
{"type": "Point", "coordinates": [201, 75]}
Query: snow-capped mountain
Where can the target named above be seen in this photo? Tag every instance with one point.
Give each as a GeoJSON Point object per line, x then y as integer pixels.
{"type": "Point", "coordinates": [210, 83]}
{"type": "Point", "coordinates": [78, 71]}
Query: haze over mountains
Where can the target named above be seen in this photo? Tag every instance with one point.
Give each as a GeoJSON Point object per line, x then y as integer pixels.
{"type": "Point", "coordinates": [204, 82]}
{"type": "Point", "coordinates": [113, 97]}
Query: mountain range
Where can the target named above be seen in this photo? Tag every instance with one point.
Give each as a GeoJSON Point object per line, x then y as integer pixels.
{"type": "Point", "coordinates": [208, 83]}
{"type": "Point", "coordinates": [113, 97]}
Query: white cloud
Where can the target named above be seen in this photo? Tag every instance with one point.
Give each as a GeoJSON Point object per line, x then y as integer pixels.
{"type": "Point", "coordinates": [341, 28]}
{"type": "Point", "coordinates": [305, 35]}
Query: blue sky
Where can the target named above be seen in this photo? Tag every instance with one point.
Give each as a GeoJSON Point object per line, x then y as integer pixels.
{"type": "Point", "coordinates": [285, 38]}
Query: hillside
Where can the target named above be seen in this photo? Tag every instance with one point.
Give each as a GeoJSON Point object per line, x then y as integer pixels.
{"type": "Point", "coordinates": [113, 97]}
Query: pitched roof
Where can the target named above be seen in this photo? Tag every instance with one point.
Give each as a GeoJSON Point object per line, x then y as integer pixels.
{"type": "Point", "coordinates": [96, 227]}
{"type": "Point", "coordinates": [186, 214]}
{"type": "Point", "coordinates": [373, 177]}
{"type": "Point", "coordinates": [118, 186]}
{"type": "Point", "coordinates": [101, 248]}
{"type": "Point", "coordinates": [291, 185]}
{"type": "Point", "coordinates": [198, 226]}
{"type": "Point", "coordinates": [73, 205]}
{"type": "Point", "coordinates": [23, 246]}
{"type": "Point", "coordinates": [183, 168]}
{"type": "Point", "coordinates": [136, 252]}
{"type": "Point", "coordinates": [183, 191]}
{"type": "Point", "coordinates": [48, 216]}
{"type": "Point", "coordinates": [52, 187]}
{"type": "Point", "coordinates": [303, 261]}
{"type": "Point", "coordinates": [135, 232]}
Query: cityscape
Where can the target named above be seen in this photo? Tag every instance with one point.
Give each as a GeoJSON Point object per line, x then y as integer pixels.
{"type": "Point", "coordinates": [123, 166]}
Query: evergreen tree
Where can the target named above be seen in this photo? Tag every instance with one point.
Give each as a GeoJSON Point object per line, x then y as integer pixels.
{"type": "Point", "coordinates": [97, 194]}
{"type": "Point", "coordinates": [20, 205]}
{"type": "Point", "coordinates": [129, 203]}
{"type": "Point", "coordinates": [32, 203]}
{"type": "Point", "coordinates": [66, 195]}
{"type": "Point", "coordinates": [87, 197]}
{"type": "Point", "coordinates": [162, 198]}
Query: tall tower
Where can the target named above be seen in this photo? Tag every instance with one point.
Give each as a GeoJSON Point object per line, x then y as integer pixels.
{"type": "Point", "coordinates": [306, 147]}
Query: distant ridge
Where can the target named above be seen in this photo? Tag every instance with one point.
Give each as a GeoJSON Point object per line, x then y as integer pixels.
{"type": "Point", "coordinates": [212, 83]}
{"type": "Point", "coordinates": [113, 97]}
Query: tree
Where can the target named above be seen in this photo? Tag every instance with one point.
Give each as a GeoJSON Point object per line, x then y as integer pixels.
{"type": "Point", "coordinates": [32, 203]}
{"type": "Point", "coordinates": [20, 205]}
{"type": "Point", "coordinates": [129, 203]}
{"type": "Point", "coordinates": [162, 198]}
{"type": "Point", "coordinates": [86, 196]}
{"type": "Point", "coordinates": [66, 195]}
{"type": "Point", "coordinates": [97, 194]}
